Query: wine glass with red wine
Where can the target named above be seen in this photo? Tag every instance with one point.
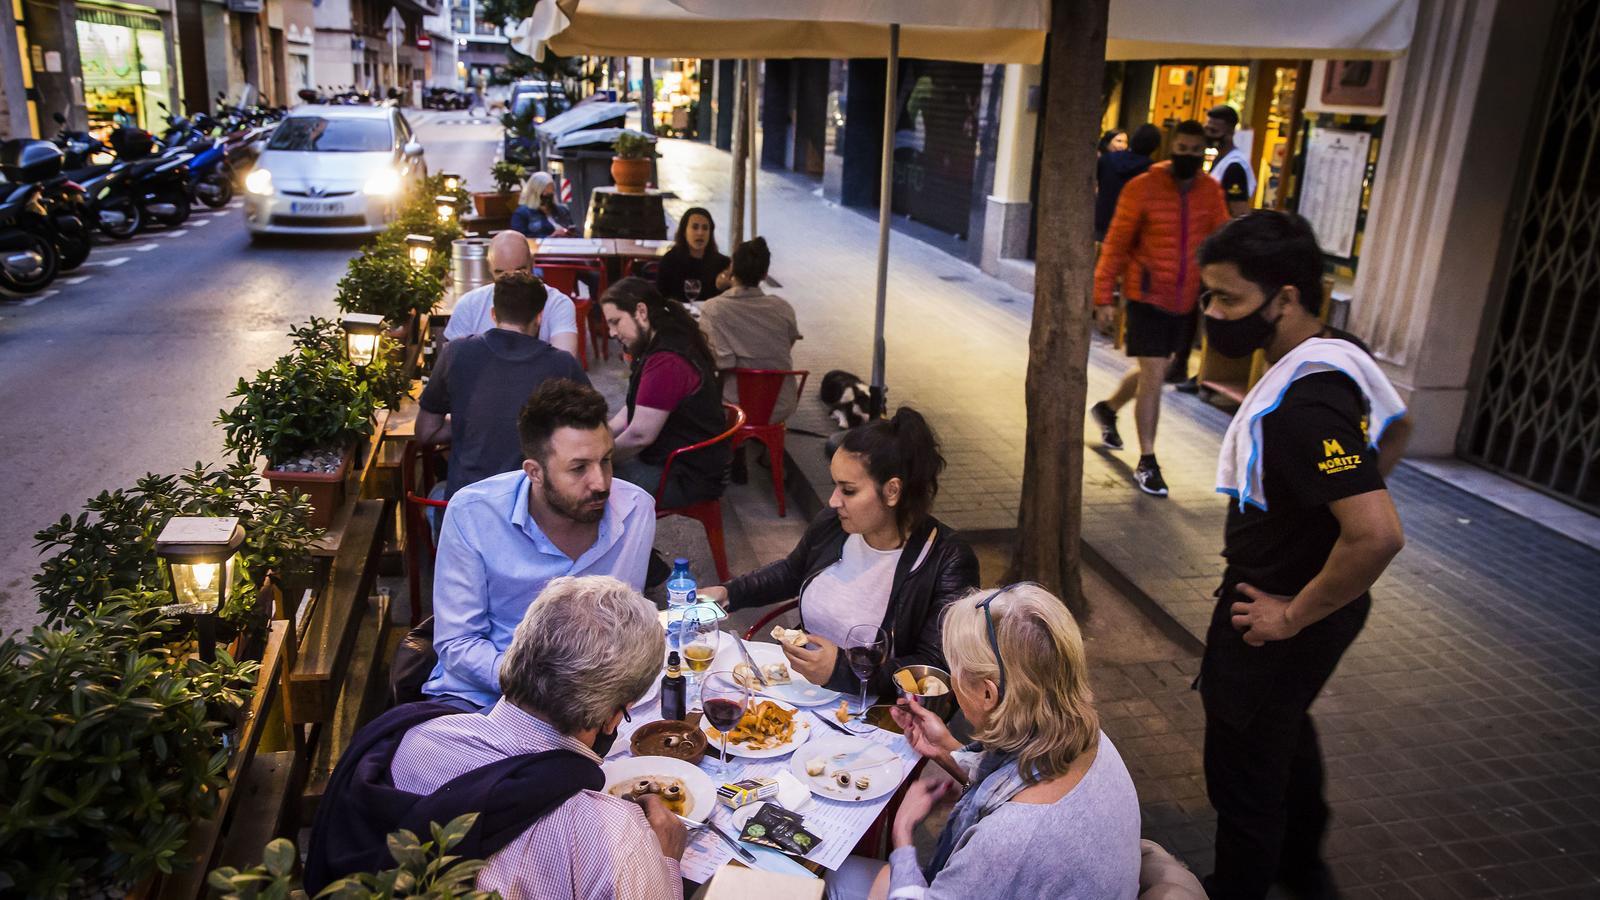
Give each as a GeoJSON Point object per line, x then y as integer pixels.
{"type": "Point", "coordinates": [723, 702]}
{"type": "Point", "coordinates": [866, 648]}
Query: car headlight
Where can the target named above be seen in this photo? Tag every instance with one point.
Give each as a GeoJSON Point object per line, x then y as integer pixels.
{"type": "Point", "coordinates": [383, 183]}
{"type": "Point", "coordinates": [259, 181]}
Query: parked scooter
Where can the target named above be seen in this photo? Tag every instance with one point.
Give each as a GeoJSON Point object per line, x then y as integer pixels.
{"type": "Point", "coordinates": [127, 195]}
{"type": "Point", "coordinates": [55, 212]}
{"type": "Point", "coordinates": [210, 176]}
{"type": "Point", "coordinates": [29, 260]}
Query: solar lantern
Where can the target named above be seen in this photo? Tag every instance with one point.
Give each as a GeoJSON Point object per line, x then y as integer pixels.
{"type": "Point", "coordinates": [452, 181]}
{"type": "Point", "coordinates": [419, 249]}
{"type": "Point", "coordinates": [199, 554]}
{"type": "Point", "coordinates": [447, 207]}
{"type": "Point", "coordinates": [361, 333]}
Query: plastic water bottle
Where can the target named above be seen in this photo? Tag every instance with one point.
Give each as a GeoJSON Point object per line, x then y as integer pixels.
{"type": "Point", "coordinates": [680, 596]}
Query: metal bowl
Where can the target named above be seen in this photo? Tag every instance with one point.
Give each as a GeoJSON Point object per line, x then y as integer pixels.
{"type": "Point", "coordinates": [650, 740]}
{"type": "Point", "coordinates": [943, 705]}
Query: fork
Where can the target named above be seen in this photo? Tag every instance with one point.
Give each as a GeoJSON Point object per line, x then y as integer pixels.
{"type": "Point", "coordinates": [693, 826]}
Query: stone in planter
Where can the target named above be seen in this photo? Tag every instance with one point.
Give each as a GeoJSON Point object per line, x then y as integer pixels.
{"type": "Point", "coordinates": [320, 478]}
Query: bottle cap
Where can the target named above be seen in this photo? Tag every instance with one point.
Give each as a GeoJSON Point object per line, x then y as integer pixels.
{"type": "Point", "coordinates": [680, 561]}
{"type": "Point", "coordinates": [672, 660]}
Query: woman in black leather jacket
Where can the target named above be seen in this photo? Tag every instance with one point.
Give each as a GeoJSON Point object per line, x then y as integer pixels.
{"type": "Point", "coordinates": [875, 556]}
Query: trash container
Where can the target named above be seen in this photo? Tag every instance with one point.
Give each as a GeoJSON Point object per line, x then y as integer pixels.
{"type": "Point", "coordinates": [586, 160]}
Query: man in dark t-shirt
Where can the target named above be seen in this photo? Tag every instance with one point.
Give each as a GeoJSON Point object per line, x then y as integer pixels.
{"type": "Point", "coordinates": [1300, 562]}
{"type": "Point", "coordinates": [481, 382]}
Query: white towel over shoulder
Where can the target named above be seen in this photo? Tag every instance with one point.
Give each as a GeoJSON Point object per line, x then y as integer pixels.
{"type": "Point", "coordinates": [1239, 464]}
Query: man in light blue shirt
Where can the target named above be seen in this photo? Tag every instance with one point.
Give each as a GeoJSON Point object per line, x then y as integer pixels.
{"type": "Point", "coordinates": [505, 538]}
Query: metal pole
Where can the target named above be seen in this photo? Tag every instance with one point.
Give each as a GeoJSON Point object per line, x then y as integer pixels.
{"type": "Point", "coordinates": [737, 181]}
{"type": "Point", "coordinates": [885, 192]}
{"type": "Point", "coordinates": [647, 106]}
{"type": "Point", "coordinates": [750, 144]}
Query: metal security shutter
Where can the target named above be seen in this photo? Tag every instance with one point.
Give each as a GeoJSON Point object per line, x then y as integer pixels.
{"type": "Point", "coordinates": [1535, 411]}
{"type": "Point", "coordinates": [936, 142]}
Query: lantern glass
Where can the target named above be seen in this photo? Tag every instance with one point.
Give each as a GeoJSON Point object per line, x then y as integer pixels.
{"type": "Point", "coordinates": [201, 586]}
{"type": "Point", "coordinates": [446, 206]}
{"type": "Point", "coordinates": [361, 347]}
{"type": "Point", "coordinates": [419, 256]}
{"type": "Point", "coordinates": [452, 181]}
{"type": "Point", "coordinates": [200, 554]}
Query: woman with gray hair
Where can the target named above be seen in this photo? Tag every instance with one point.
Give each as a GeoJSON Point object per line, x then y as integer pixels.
{"type": "Point", "coordinates": [538, 214]}
{"type": "Point", "coordinates": [586, 649]}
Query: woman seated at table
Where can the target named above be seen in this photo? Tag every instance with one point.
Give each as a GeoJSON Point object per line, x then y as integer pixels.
{"type": "Point", "coordinates": [693, 257]}
{"type": "Point", "coordinates": [538, 215]}
{"type": "Point", "coordinates": [876, 557]}
{"type": "Point", "coordinates": [1048, 808]}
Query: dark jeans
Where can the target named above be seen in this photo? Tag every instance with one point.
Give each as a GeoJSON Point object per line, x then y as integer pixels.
{"type": "Point", "coordinates": [647, 476]}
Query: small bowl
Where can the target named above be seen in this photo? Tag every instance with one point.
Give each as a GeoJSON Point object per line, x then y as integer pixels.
{"type": "Point", "coordinates": [942, 705]}
{"type": "Point", "coordinates": [650, 740]}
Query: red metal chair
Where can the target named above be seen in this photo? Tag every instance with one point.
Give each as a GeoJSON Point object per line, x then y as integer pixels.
{"type": "Point", "coordinates": [759, 390]}
{"type": "Point", "coordinates": [761, 624]}
{"type": "Point", "coordinates": [707, 512]}
{"type": "Point", "coordinates": [415, 522]}
{"type": "Point", "coordinates": [562, 274]}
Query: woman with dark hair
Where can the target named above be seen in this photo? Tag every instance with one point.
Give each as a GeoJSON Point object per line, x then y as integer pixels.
{"type": "Point", "coordinates": [1112, 141]}
{"type": "Point", "coordinates": [876, 556]}
{"type": "Point", "coordinates": [673, 398]}
{"type": "Point", "coordinates": [693, 257]}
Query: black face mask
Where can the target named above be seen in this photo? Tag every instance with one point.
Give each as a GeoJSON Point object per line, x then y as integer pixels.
{"type": "Point", "coordinates": [1185, 166]}
{"type": "Point", "coordinates": [602, 743]}
{"type": "Point", "coordinates": [1238, 338]}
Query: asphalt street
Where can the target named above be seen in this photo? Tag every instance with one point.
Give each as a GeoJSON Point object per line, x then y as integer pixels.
{"type": "Point", "coordinates": [120, 367]}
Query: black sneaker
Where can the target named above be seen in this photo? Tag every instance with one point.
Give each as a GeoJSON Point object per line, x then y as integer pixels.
{"type": "Point", "coordinates": [1106, 418]}
{"type": "Point", "coordinates": [1148, 477]}
{"type": "Point", "coordinates": [1188, 386]}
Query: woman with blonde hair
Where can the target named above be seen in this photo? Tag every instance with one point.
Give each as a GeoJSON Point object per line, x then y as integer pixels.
{"type": "Point", "coordinates": [538, 215]}
{"type": "Point", "coordinates": [1047, 808]}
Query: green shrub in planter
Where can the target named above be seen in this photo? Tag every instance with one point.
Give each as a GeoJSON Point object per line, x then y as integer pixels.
{"type": "Point", "coordinates": [385, 378]}
{"type": "Point", "coordinates": [309, 401]}
{"type": "Point", "coordinates": [508, 176]}
{"type": "Point", "coordinates": [634, 145]}
{"type": "Point", "coordinates": [114, 747]}
{"type": "Point", "coordinates": [424, 870]}
{"type": "Point", "coordinates": [382, 281]}
{"type": "Point", "coordinates": [111, 545]}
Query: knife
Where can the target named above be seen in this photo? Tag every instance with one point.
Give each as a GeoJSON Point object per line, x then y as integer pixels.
{"type": "Point", "coordinates": [750, 661]}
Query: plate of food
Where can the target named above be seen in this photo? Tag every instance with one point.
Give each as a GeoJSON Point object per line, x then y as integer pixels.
{"type": "Point", "coordinates": [769, 729]}
{"type": "Point", "coordinates": [782, 683]}
{"type": "Point", "coordinates": [852, 769]}
{"type": "Point", "coordinates": [683, 788]}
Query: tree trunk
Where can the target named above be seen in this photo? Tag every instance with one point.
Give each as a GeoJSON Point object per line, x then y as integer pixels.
{"type": "Point", "coordinates": [647, 99]}
{"type": "Point", "coordinates": [734, 227]}
{"type": "Point", "coordinates": [1049, 518]}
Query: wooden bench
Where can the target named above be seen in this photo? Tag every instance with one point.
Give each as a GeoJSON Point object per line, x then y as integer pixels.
{"type": "Point", "coordinates": [333, 621]}
{"type": "Point", "coordinates": [363, 696]}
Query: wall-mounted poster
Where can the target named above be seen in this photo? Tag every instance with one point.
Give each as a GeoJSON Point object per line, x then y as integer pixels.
{"type": "Point", "coordinates": [1331, 188]}
{"type": "Point", "coordinates": [1355, 82]}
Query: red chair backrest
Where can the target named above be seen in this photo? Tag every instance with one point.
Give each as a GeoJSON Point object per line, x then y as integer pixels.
{"type": "Point", "coordinates": [735, 419]}
{"type": "Point", "coordinates": [562, 274]}
{"type": "Point", "coordinates": [759, 390]}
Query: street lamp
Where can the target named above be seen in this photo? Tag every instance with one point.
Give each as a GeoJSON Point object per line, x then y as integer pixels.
{"type": "Point", "coordinates": [199, 554]}
{"type": "Point", "coordinates": [361, 332]}
{"type": "Point", "coordinates": [447, 207]}
{"type": "Point", "coordinates": [452, 181]}
{"type": "Point", "coordinates": [419, 248]}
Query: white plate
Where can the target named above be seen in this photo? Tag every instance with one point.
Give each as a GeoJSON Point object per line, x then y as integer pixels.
{"type": "Point", "coordinates": [878, 762]}
{"type": "Point", "coordinates": [802, 731]}
{"type": "Point", "coordinates": [798, 691]}
{"type": "Point", "coordinates": [702, 790]}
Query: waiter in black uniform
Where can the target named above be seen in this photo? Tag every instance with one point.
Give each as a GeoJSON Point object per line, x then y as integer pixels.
{"type": "Point", "coordinates": [1294, 592]}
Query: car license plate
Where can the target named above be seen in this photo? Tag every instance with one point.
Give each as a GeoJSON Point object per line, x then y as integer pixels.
{"type": "Point", "coordinates": [316, 208]}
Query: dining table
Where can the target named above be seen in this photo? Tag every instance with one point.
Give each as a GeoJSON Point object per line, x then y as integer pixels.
{"type": "Point", "coordinates": [602, 248]}
{"type": "Point", "coordinates": [840, 824]}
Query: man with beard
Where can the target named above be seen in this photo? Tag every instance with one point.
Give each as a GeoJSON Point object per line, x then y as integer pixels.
{"type": "Point", "coordinates": [505, 537]}
{"type": "Point", "coordinates": [674, 399]}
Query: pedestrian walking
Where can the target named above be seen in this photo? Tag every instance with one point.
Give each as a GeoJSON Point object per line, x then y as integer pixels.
{"type": "Point", "coordinates": [1231, 167]}
{"type": "Point", "coordinates": [1161, 218]}
{"type": "Point", "coordinates": [1116, 168]}
{"type": "Point", "coordinates": [1310, 527]}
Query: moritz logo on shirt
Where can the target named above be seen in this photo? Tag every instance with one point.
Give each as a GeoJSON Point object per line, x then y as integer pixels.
{"type": "Point", "coordinates": [1336, 460]}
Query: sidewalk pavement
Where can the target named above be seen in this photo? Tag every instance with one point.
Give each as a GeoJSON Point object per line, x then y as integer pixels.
{"type": "Point", "coordinates": [1462, 732]}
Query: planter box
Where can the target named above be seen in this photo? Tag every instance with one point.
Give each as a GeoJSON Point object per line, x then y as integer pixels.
{"type": "Point", "coordinates": [494, 204]}
{"type": "Point", "coordinates": [324, 490]}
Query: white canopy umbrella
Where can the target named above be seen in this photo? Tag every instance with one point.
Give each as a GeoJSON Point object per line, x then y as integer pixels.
{"type": "Point", "coordinates": [959, 30]}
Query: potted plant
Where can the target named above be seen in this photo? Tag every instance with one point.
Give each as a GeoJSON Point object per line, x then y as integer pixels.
{"type": "Point", "coordinates": [424, 870]}
{"type": "Point", "coordinates": [382, 281]}
{"type": "Point", "coordinates": [385, 376]}
{"type": "Point", "coordinates": [306, 415]}
{"type": "Point", "coordinates": [111, 545]}
{"type": "Point", "coordinates": [114, 749]}
{"type": "Point", "coordinates": [502, 201]}
{"type": "Point", "coordinates": [631, 160]}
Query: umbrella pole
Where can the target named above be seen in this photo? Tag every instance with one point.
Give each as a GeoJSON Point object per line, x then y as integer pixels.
{"type": "Point", "coordinates": [736, 181]}
{"type": "Point", "coordinates": [750, 142]}
{"type": "Point", "coordinates": [885, 193]}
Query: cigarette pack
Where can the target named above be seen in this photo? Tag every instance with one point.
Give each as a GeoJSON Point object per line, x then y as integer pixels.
{"type": "Point", "coordinates": [747, 791]}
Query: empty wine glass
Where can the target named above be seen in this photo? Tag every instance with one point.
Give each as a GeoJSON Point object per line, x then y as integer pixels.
{"type": "Point", "coordinates": [867, 646]}
{"type": "Point", "coordinates": [691, 289]}
{"type": "Point", "coordinates": [723, 702]}
{"type": "Point", "coordinates": [701, 636]}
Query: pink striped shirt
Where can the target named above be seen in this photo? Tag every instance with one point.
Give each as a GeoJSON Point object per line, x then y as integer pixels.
{"type": "Point", "coordinates": [593, 847]}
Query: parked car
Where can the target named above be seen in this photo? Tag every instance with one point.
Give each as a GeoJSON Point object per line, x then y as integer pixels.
{"type": "Point", "coordinates": [530, 103]}
{"type": "Point", "coordinates": [333, 170]}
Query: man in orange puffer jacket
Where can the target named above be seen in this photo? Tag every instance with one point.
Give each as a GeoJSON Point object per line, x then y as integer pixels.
{"type": "Point", "coordinates": [1162, 218]}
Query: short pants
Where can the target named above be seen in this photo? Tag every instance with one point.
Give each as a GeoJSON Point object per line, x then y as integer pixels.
{"type": "Point", "coordinates": [1152, 331]}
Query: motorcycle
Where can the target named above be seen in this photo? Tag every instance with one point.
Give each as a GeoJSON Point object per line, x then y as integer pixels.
{"type": "Point", "coordinates": [125, 196]}
{"type": "Point", "coordinates": [59, 210]}
{"type": "Point", "coordinates": [210, 175]}
{"type": "Point", "coordinates": [29, 260]}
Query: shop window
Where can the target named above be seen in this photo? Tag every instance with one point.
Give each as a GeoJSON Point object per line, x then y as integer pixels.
{"type": "Point", "coordinates": [124, 59]}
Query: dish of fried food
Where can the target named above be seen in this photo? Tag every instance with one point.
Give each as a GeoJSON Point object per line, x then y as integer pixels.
{"type": "Point", "coordinates": [765, 726]}
{"type": "Point", "coordinates": [671, 790]}
{"type": "Point", "coordinates": [794, 637]}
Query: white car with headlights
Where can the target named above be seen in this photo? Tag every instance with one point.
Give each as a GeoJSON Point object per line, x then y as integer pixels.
{"type": "Point", "coordinates": [332, 170]}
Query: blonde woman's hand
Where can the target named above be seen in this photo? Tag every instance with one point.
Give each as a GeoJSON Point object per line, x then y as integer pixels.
{"type": "Point", "coordinates": [920, 800]}
{"type": "Point", "coordinates": [923, 729]}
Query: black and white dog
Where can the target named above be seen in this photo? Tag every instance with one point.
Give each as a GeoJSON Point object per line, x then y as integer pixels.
{"type": "Point", "coordinates": [848, 398]}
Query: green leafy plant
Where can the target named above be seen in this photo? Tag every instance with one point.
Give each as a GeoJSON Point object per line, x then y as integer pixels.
{"type": "Point", "coordinates": [382, 281]}
{"type": "Point", "coordinates": [425, 870]}
{"type": "Point", "coordinates": [308, 401]}
{"type": "Point", "coordinates": [111, 545]}
{"type": "Point", "coordinates": [634, 145]}
{"type": "Point", "coordinates": [508, 176]}
{"type": "Point", "coordinates": [114, 747]}
{"type": "Point", "coordinates": [385, 376]}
